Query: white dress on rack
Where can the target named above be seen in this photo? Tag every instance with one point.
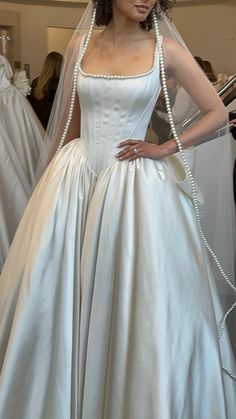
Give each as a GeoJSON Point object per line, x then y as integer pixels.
{"type": "Point", "coordinates": [108, 306]}
{"type": "Point", "coordinates": [21, 140]}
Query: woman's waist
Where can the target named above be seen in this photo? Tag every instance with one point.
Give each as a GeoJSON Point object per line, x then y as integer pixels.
{"type": "Point", "coordinates": [99, 154]}
{"type": "Point", "coordinates": [101, 159]}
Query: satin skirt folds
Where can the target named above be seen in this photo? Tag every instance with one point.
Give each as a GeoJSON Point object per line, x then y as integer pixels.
{"type": "Point", "coordinates": [108, 307]}
{"type": "Point", "coordinates": [40, 294]}
{"type": "Point", "coordinates": [21, 142]}
{"type": "Point", "coordinates": [14, 194]}
{"type": "Point", "coordinates": [22, 129]}
{"type": "Point", "coordinates": [150, 311]}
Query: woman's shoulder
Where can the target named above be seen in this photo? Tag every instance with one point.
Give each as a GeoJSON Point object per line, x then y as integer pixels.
{"type": "Point", "coordinates": [171, 46]}
{"type": "Point", "coordinates": [175, 53]}
{"type": "Point", "coordinates": [97, 37]}
{"type": "Point", "coordinates": [80, 39]}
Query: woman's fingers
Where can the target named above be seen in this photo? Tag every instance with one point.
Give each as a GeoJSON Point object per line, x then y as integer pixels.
{"type": "Point", "coordinates": [135, 149]}
{"type": "Point", "coordinates": [128, 143]}
{"type": "Point", "coordinates": [131, 150]}
{"type": "Point", "coordinates": [127, 153]}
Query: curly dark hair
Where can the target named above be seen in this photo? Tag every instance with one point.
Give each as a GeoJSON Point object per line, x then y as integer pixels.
{"type": "Point", "coordinates": [104, 12]}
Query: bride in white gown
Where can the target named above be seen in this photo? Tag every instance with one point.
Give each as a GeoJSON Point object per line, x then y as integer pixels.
{"type": "Point", "coordinates": [108, 306]}
{"type": "Point", "coordinates": [21, 140]}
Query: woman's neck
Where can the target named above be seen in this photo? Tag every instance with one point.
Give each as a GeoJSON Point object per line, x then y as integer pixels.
{"type": "Point", "coordinates": [121, 27]}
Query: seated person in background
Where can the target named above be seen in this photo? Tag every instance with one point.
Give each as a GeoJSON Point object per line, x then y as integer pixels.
{"type": "Point", "coordinates": [44, 87]}
{"type": "Point", "coordinates": [222, 79]}
{"type": "Point", "coordinates": [207, 68]}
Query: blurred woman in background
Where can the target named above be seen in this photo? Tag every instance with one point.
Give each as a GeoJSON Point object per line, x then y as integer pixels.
{"type": "Point", "coordinates": [44, 87]}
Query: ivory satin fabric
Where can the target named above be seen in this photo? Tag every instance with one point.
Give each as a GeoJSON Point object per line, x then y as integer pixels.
{"type": "Point", "coordinates": [108, 306]}
{"type": "Point", "coordinates": [21, 141]}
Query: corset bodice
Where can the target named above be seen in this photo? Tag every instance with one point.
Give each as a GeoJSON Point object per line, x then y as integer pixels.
{"type": "Point", "coordinates": [114, 109]}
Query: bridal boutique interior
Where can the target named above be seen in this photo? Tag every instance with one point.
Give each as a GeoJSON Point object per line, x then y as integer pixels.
{"type": "Point", "coordinates": [30, 30]}
{"type": "Point", "coordinates": [36, 27]}
{"type": "Point", "coordinates": [108, 301]}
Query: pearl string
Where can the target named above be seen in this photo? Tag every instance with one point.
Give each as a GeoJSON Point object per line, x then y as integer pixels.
{"type": "Point", "coordinates": [74, 83]}
{"type": "Point", "coordinates": [229, 373]}
{"type": "Point", "coordinates": [89, 35]}
{"type": "Point", "coordinates": [190, 175]}
{"type": "Point", "coordinates": [71, 109]}
{"type": "Point", "coordinates": [134, 76]}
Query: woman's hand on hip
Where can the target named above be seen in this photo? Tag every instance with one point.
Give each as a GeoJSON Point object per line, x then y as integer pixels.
{"type": "Point", "coordinates": [135, 149]}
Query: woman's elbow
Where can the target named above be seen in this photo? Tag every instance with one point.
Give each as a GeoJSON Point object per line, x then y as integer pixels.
{"type": "Point", "coordinates": [222, 116]}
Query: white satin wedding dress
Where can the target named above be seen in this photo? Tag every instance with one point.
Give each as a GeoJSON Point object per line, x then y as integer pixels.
{"type": "Point", "coordinates": [21, 140]}
{"type": "Point", "coordinates": [108, 306]}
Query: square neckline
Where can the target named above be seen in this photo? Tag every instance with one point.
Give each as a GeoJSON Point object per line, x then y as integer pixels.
{"type": "Point", "coordinates": [114, 76]}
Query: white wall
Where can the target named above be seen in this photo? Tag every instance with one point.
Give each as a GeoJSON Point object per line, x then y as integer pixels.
{"type": "Point", "coordinates": [58, 39]}
{"type": "Point", "coordinates": [33, 29]}
{"type": "Point", "coordinates": [210, 32]}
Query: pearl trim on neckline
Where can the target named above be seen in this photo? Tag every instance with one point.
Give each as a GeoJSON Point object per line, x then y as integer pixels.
{"type": "Point", "coordinates": [122, 77]}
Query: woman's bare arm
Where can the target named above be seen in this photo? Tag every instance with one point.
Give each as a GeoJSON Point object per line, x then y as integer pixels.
{"type": "Point", "coordinates": [182, 66]}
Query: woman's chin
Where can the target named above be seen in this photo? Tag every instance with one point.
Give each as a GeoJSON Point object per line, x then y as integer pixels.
{"type": "Point", "coordinates": [138, 17]}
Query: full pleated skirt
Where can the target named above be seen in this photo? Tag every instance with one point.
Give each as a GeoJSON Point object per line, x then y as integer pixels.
{"type": "Point", "coordinates": [108, 306]}
{"type": "Point", "coordinates": [21, 142]}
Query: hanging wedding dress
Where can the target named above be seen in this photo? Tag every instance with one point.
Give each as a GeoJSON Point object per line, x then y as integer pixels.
{"type": "Point", "coordinates": [108, 306]}
{"type": "Point", "coordinates": [21, 140]}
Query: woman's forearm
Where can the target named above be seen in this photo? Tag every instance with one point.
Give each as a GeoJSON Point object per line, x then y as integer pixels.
{"type": "Point", "coordinates": [199, 133]}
